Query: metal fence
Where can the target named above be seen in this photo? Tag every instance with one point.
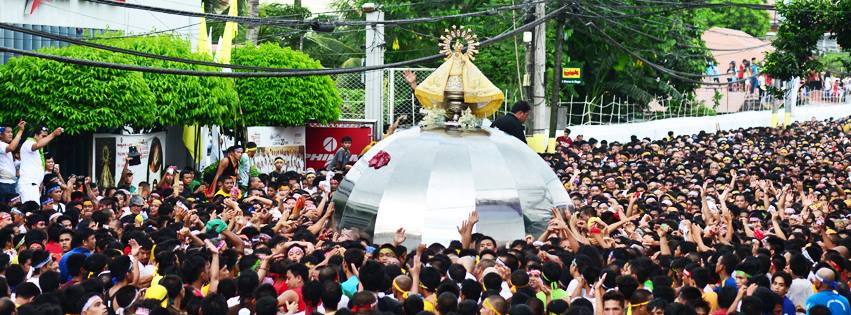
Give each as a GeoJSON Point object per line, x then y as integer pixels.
{"type": "Point", "coordinates": [615, 110]}
{"type": "Point", "coordinates": [398, 97]}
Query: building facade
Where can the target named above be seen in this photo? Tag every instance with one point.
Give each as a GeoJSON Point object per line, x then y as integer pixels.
{"type": "Point", "coordinates": [84, 19]}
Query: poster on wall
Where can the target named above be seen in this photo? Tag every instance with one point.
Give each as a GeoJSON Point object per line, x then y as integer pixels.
{"type": "Point", "coordinates": [274, 142]}
{"type": "Point", "coordinates": [110, 152]}
{"type": "Point", "coordinates": [105, 162]}
{"type": "Point", "coordinates": [323, 140]}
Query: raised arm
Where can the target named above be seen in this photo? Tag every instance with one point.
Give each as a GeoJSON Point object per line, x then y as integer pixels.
{"type": "Point", "coordinates": [43, 142]}
{"type": "Point", "coordinates": [466, 229]}
{"type": "Point", "coordinates": [17, 139]}
{"type": "Point", "coordinates": [223, 164]}
{"type": "Point", "coordinates": [214, 267]}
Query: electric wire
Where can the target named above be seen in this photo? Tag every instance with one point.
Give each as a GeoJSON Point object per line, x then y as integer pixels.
{"type": "Point", "coordinates": [278, 21]}
{"type": "Point", "coordinates": [286, 73]}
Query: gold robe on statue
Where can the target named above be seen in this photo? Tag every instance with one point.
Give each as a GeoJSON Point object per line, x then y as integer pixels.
{"type": "Point", "coordinates": [484, 97]}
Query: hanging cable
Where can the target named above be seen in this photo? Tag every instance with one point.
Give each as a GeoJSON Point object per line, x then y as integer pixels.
{"type": "Point", "coordinates": [278, 21]}
{"type": "Point", "coordinates": [670, 72]}
{"type": "Point", "coordinates": [286, 73]}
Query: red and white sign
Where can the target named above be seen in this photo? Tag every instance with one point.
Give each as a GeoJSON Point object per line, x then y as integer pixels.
{"type": "Point", "coordinates": [323, 141]}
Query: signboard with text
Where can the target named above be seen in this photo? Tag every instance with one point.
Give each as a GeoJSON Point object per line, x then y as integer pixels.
{"type": "Point", "coordinates": [571, 75]}
{"type": "Point", "coordinates": [323, 140]}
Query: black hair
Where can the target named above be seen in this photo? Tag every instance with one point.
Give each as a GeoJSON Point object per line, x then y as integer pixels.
{"type": "Point", "coordinates": [799, 265]}
{"type": "Point", "coordinates": [447, 303]}
{"type": "Point", "coordinates": [331, 295]}
{"type": "Point", "coordinates": [214, 303]}
{"type": "Point", "coordinates": [267, 305]}
{"type": "Point", "coordinates": [172, 284]}
{"type": "Point", "coordinates": [27, 290]}
{"type": "Point", "coordinates": [48, 281]}
{"type": "Point", "coordinates": [471, 289]}
{"type": "Point", "coordinates": [300, 271]}
{"type": "Point", "coordinates": [192, 268]}
{"type": "Point", "coordinates": [81, 235]}
{"type": "Point", "coordinates": [7, 307]}
{"type": "Point", "coordinates": [372, 275]}
{"type": "Point", "coordinates": [521, 106]}
{"type": "Point", "coordinates": [15, 275]}
{"type": "Point", "coordinates": [787, 278]}
{"type": "Point", "coordinates": [246, 283]}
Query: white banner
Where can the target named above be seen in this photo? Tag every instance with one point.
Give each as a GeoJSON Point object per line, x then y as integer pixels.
{"type": "Point", "coordinates": [110, 150]}
{"type": "Point", "coordinates": [273, 142]}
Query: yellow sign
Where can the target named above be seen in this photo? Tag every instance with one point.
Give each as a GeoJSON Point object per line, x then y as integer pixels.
{"type": "Point", "coordinates": [571, 75]}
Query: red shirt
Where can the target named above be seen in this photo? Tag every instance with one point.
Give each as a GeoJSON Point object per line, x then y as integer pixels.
{"type": "Point", "coordinates": [53, 248]}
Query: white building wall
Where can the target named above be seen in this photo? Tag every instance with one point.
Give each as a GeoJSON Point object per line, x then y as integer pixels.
{"type": "Point", "coordinates": [89, 15]}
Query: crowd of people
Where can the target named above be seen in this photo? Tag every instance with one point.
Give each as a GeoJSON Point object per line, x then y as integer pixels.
{"type": "Point", "coordinates": [748, 221]}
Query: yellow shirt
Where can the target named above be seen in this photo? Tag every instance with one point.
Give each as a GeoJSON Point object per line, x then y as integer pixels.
{"type": "Point", "coordinates": [712, 299]}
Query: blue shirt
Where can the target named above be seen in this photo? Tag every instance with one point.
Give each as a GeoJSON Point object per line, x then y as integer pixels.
{"type": "Point", "coordinates": [64, 276]}
{"type": "Point", "coordinates": [729, 282]}
{"type": "Point", "coordinates": [837, 304]}
{"type": "Point", "coordinates": [350, 286]}
{"type": "Point", "coordinates": [788, 307]}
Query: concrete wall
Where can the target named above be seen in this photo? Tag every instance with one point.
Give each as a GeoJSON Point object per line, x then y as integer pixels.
{"type": "Point", "coordinates": [692, 125]}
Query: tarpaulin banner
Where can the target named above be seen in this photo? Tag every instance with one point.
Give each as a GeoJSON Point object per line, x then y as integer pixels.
{"type": "Point", "coordinates": [110, 151]}
{"type": "Point", "coordinates": [323, 140]}
{"type": "Point", "coordinates": [278, 142]}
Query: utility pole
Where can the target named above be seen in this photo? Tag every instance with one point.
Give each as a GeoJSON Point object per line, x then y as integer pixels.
{"type": "Point", "coordinates": [374, 78]}
{"type": "Point", "coordinates": [557, 69]}
{"type": "Point", "coordinates": [539, 104]}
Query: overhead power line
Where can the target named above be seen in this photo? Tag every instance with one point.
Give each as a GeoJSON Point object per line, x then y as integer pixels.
{"type": "Point", "coordinates": [682, 76]}
{"type": "Point", "coordinates": [292, 22]}
{"type": "Point", "coordinates": [287, 73]}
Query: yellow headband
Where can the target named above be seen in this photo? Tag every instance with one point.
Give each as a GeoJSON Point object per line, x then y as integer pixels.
{"type": "Point", "coordinates": [487, 304]}
{"type": "Point", "coordinates": [396, 286]}
{"type": "Point", "coordinates": [640, 304]}
{"type": "Point", "coordinates": [250, 150]}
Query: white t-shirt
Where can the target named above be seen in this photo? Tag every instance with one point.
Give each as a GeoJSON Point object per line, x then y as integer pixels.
{"type": "Point", "coordinates": [799, 291]}
{"type": "Point", "coordinates": [7, 165]}
{"type": "Point", "coordinates": [32, 169]}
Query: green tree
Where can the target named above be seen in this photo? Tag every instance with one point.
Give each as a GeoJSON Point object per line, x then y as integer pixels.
{"type": "Point", "coordinates": [671, 41]}
{"type": "Point", "coordinates": [82, 98]}
{"type": "Point", "coordinates": [751, 21]}
{"type": "Point", "coordinates": [804, 24]}
{"type": "Point", "coordinates": [289, 101]}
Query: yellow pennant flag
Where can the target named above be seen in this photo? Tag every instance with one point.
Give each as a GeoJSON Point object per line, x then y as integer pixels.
{"type": "Point", "coordinates": [229, 34]}
{"type": "Point", "coordinates": [203, 40]}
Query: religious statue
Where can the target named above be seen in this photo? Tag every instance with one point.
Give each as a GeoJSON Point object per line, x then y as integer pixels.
{"type": "Point", "coordinates": [458, 85]}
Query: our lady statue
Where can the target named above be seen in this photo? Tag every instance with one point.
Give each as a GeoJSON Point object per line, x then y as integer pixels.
{"type": "Point", "coordinates": [106, 178]}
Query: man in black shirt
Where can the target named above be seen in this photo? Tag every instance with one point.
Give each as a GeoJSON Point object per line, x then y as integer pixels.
{"type": "Point", "coordinates": [512, 123]}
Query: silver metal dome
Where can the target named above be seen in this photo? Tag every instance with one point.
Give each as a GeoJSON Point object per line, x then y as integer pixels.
{"type": "Point", "coordinates": [435, 178]}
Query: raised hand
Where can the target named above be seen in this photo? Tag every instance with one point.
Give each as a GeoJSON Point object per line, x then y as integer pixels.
{"type": "Point", "coordinates": [400, 236]}
{"type": "Point", "coordinates": [410, 77]}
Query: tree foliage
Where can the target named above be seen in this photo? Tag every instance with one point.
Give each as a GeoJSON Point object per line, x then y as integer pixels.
{"type": "Point", "coordinates": [289, 101]}
{"type": "Point", "coordinates": [804, 24]}
{"type": "Point", "coordinates": [751, 21]}
{"type": "Point", "coordinates": [607, 70]}
{"type": "Point", "coordinates": [82, 98]}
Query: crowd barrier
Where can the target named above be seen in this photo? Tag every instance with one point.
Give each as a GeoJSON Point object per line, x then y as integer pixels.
{"type": "Point", "coordinates": [659, 129]}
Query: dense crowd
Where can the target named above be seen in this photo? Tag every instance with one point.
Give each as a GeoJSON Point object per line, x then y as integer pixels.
{"type": "Point", "coordinates": [748, 221]}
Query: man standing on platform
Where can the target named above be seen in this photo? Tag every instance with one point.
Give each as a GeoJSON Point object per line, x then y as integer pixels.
{"type": "Point", "coordinates": [512, 123]}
